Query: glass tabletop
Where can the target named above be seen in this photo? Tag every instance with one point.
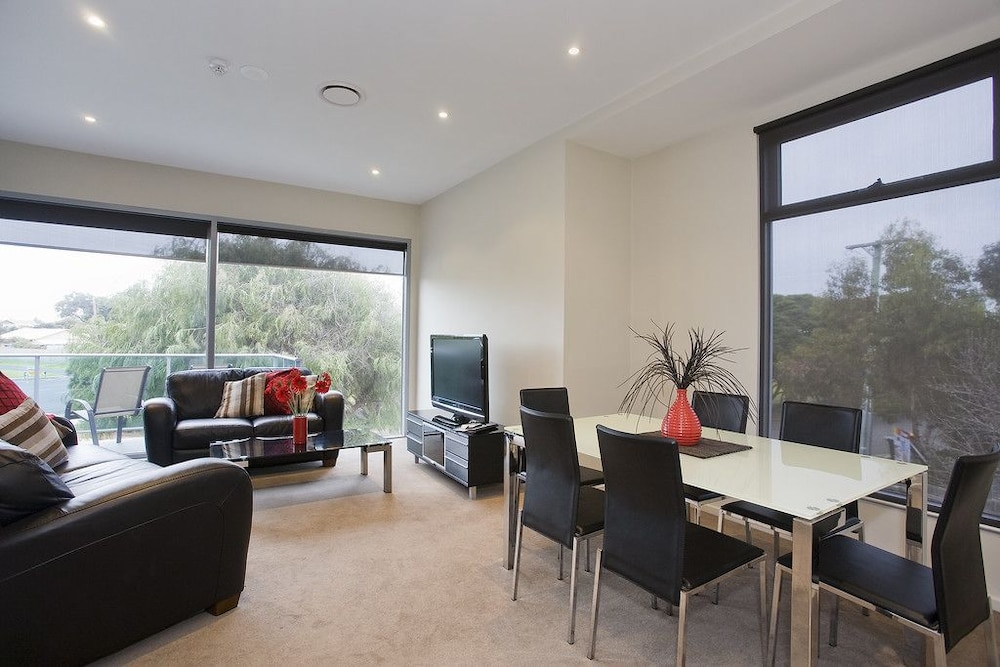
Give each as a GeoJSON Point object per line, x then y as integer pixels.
{"type": "Point", "coordinates": [256, 448]}
{"type": "Point", "coordinates": [797, 479]}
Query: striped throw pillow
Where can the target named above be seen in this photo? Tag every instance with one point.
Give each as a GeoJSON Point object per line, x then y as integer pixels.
{"type": "Point", "coordinates": [27, 427]}
{"type": "Point", "coordinates": [243, 398]}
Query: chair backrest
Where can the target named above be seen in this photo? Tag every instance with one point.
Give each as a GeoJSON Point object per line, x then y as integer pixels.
{"type": "Point", "coordinates": [547, 399]}
{"type": "Point", "coordinates": [829, 426]}
{"type": "Point", "coordinates": [718, 410]}
{"type": "Point", "coordinates": [644, 514]}
{"type": "Point", "coordinates": [956, 550]}
{"type": "Point", "coordinates": [120, 391]}
{"type": "Point", "coordinates": [553, 466]}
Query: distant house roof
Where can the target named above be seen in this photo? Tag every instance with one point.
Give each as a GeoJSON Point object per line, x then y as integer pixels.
{"type": "Point", "coordinates": [39, 335]}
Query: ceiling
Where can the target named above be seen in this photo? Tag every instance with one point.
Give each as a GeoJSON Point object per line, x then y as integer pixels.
{"type": "Point", "coordinates": [649, 73]}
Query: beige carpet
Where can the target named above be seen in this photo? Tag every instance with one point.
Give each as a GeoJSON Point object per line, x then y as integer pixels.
{"type": "Point", "coordinates": [340, 573]}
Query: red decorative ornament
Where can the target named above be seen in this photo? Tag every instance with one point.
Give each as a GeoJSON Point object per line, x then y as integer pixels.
{"type": "Point", "coordinates": [681, 423]}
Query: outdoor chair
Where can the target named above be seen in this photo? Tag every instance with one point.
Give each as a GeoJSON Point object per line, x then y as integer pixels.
{"type": "Point", "coordinates": [119, 394]}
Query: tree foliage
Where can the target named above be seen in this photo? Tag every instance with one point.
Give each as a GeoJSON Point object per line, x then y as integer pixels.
{"type": "Point", "coordinates": [345, 323]}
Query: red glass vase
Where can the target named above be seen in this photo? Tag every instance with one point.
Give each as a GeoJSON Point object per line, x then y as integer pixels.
{"type": "Point", "coordinates": [681, 423]}
{"type": "Point", "coordinates": [300, 429]}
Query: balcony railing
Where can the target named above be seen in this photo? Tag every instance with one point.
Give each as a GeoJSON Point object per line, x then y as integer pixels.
{"type": "Point", "coordinates": [47, 376]}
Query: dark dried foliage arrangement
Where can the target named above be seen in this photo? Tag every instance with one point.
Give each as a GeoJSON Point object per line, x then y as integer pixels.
{"type": "Point", "coordinates": [700, 369]}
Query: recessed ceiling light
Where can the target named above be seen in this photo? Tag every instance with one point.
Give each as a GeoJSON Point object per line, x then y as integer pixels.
{"type": "Point", "coordinates": [375, 171]}
{"type": "Point", "coordinates": [254, 73]}
{"type": "Point", "coordinates": [90, 119]}
{"type": "Point", "coordinates": [442, 114]}
{"type": "Point", "coordinates": [96, 21]}
{"type": "Point", "coordinates": [573, 50]}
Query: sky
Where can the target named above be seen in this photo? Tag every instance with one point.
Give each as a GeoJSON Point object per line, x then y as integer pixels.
{"type": "Point", "coordinates": [48, 275]}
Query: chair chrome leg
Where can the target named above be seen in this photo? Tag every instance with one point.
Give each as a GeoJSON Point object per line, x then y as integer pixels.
{"type": "Point", "coordinates": [746, 529]}
{"type": "Point", "coordinates": [681, 627]}
{"type": "Point", "coordinates": [586, 565]}
{"type": "Point", "coordinates": [763, 612]}
{"type": "Point", "coordinates": [595, 605]}
{"type": "Point", "coordinates": [722, 518]}
{"type": "Point", "coordinates": [517, 551]}
{"type": "Point", "coordinates": [861, 538]}
{"type": "Point", "coordinates": [940, 659]}
{"type": "Point", "coordinates": [571, 634]}
{"type": "Point", "coordinates": [834, 620]}
{"type": "Point", "coordinates": [775, 546]}
{"type": "Point", "coordinates": [656, 603]}
{"type": "Point", "coordinates": [560, 563]}
{"type": "Point", "coordinates": [773, 627]}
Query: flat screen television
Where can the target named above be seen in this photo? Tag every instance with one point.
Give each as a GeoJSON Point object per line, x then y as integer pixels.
{"type": "Point", "coordinates": [460, 376]}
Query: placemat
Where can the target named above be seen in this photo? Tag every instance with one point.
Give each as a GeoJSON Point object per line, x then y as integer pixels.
{"type": "Point", "coordinates": [707, 447]}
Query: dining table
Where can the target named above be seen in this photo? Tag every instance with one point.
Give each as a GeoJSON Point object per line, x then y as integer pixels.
{"type": "Point", "coordinates": [808, 482]}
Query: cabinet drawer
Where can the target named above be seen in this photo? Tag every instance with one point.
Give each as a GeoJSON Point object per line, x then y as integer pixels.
{"type": "Point", "coordinates": [416, 428]}
{"type": "Point", "coordinates": [456, 468]}
{"type": "Point", "coordinates": [415, 445]}
{"type": "Point", "coordinates": [457, 446]}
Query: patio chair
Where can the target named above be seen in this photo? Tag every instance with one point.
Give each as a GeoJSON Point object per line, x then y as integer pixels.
{"type": "Point", "coordinates": [119, 394]}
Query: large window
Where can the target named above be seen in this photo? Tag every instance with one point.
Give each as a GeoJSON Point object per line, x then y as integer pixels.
{"type": "Point", "coordinates": [115, 288]}
{"type": "Point", "coordinates": [881, 242]}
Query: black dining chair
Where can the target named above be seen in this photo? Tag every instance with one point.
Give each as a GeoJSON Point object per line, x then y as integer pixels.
{"type": "Point", "coordinates": [828, 426]}
{"type": "Point", "coordinates": [722, 411]}
{"type": "Point", "coordinates": [556, 505]}
{"type": "Point", "coordinates": [945, 601]}
{"type": "Point", "coordinates": [556, 400]}
{"type": "Point", "coordinates": [647, 537]}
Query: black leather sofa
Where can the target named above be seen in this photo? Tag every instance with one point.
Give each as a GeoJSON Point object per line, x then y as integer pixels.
{"type": "Point", "coordinates": [181, 425]}
{"type": "Point", "coordinates": [137, 549]}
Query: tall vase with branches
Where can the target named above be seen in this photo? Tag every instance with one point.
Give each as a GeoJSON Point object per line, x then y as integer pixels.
{"type": "Point", "coordinates": [668, 372]}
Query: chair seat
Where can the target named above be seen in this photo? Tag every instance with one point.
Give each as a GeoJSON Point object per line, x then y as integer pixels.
{"type": "Point", "coordinates": [699, 495]}
{"type": "Point", "coordinates": [783, 521]}
{"type": "Point", "coordinates": [591, 476]}
{"type": "Point", "coordinates": [590, 511]}
{"type": "Point", "coordinates": [888, 581]}
{"type": "Point", "coordinates": [709, 554]}
{"type": "Point", "coordinates": [771, 517]}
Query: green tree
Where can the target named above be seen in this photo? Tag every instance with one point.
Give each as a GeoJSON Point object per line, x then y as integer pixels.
{"type": "Point", "coordinates": [79, 306]}
{"type": "Point", "coordinates": [988, 271]}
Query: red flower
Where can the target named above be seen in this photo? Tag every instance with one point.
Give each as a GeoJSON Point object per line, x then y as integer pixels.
{"type": "Point", "coordinates": [291, 388]}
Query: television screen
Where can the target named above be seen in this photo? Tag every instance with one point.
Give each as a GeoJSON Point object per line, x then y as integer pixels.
{"type": "Point", "coordinates": [459, 376]}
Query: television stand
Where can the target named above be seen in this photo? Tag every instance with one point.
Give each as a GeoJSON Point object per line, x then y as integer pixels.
{"type": "Point", "coordinates": [470, 458]}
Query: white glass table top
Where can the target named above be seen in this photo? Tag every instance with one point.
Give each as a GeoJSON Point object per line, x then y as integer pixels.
{"type": "Point", "coordinates": [801, 480]}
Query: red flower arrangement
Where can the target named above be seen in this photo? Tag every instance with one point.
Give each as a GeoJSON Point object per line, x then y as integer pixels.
{"type": "Point", "coordinates": [293, 387]}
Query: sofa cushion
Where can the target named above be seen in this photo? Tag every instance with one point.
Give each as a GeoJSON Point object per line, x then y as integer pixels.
{"type": "Point", "coordinates": [243, 398]}
{"type": "Point", "coordinates": [29, 484]}
{"type": "Point", "coordinates": [199, 433]}
{"type": "Point", "coordinates": [272, 406]}
{"type": "Point", "coordinates": [23, 423]}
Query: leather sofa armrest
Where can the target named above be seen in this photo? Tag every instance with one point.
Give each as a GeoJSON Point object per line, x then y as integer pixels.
{"type": "Point", "coordinates": [330, 406]}
{"type": "Point", "coordinates": [159, 419]}
{"type": "Point", "coordinates": [161, 543]}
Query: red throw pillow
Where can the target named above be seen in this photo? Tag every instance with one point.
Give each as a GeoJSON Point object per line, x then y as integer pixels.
{"type": "Point", "coordinates": [273, 406]}
{"type": "Point", "coordinates": [11, 395]}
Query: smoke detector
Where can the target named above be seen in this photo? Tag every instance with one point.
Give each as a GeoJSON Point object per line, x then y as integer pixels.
{"type": "Point", "coordinates": [341, 94]}
{"type": "Point", "coordinates": [218, 66]}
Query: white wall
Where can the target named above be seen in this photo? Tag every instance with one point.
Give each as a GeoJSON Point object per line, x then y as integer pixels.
{"type": "Point", "coordinates": [494, 263]}
{"type": "Point", "coordinates": [695, 244]}
{"type": "Point", "coordinates": [49, 172]}
{"type": "Point", "coordinates": [595, 345]}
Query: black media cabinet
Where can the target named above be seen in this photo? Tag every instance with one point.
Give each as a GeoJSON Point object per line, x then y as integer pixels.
{"type": "Point", "coordinates": [472, 459]}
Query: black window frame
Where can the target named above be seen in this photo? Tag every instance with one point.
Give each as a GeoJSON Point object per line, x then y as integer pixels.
{"type": "Point", "coordinates": [961, 69]}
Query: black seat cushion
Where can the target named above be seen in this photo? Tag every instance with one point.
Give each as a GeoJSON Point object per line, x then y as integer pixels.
{"type": "Point", "coordinates": [590, 511]}
{"type": "Point", "coordinates": [591, 476]}
{"type": "Point", "coordinates": [708, 555]}
{"type": "Point", "coordinates": [896, 584]}
{"type": "Point", "coordinates": [699, 495]}
{"type": "Point", "coordinates": [783, 521]}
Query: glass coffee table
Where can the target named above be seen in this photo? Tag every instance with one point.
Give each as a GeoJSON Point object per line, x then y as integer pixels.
{"type": "Point", "coordinates": [259, 452]}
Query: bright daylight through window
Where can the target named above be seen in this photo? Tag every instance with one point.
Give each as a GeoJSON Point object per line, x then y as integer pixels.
{"type": "Point", "coordinates": [114, 288]}
{"type": "Point", "coordinates": [881, 216]}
